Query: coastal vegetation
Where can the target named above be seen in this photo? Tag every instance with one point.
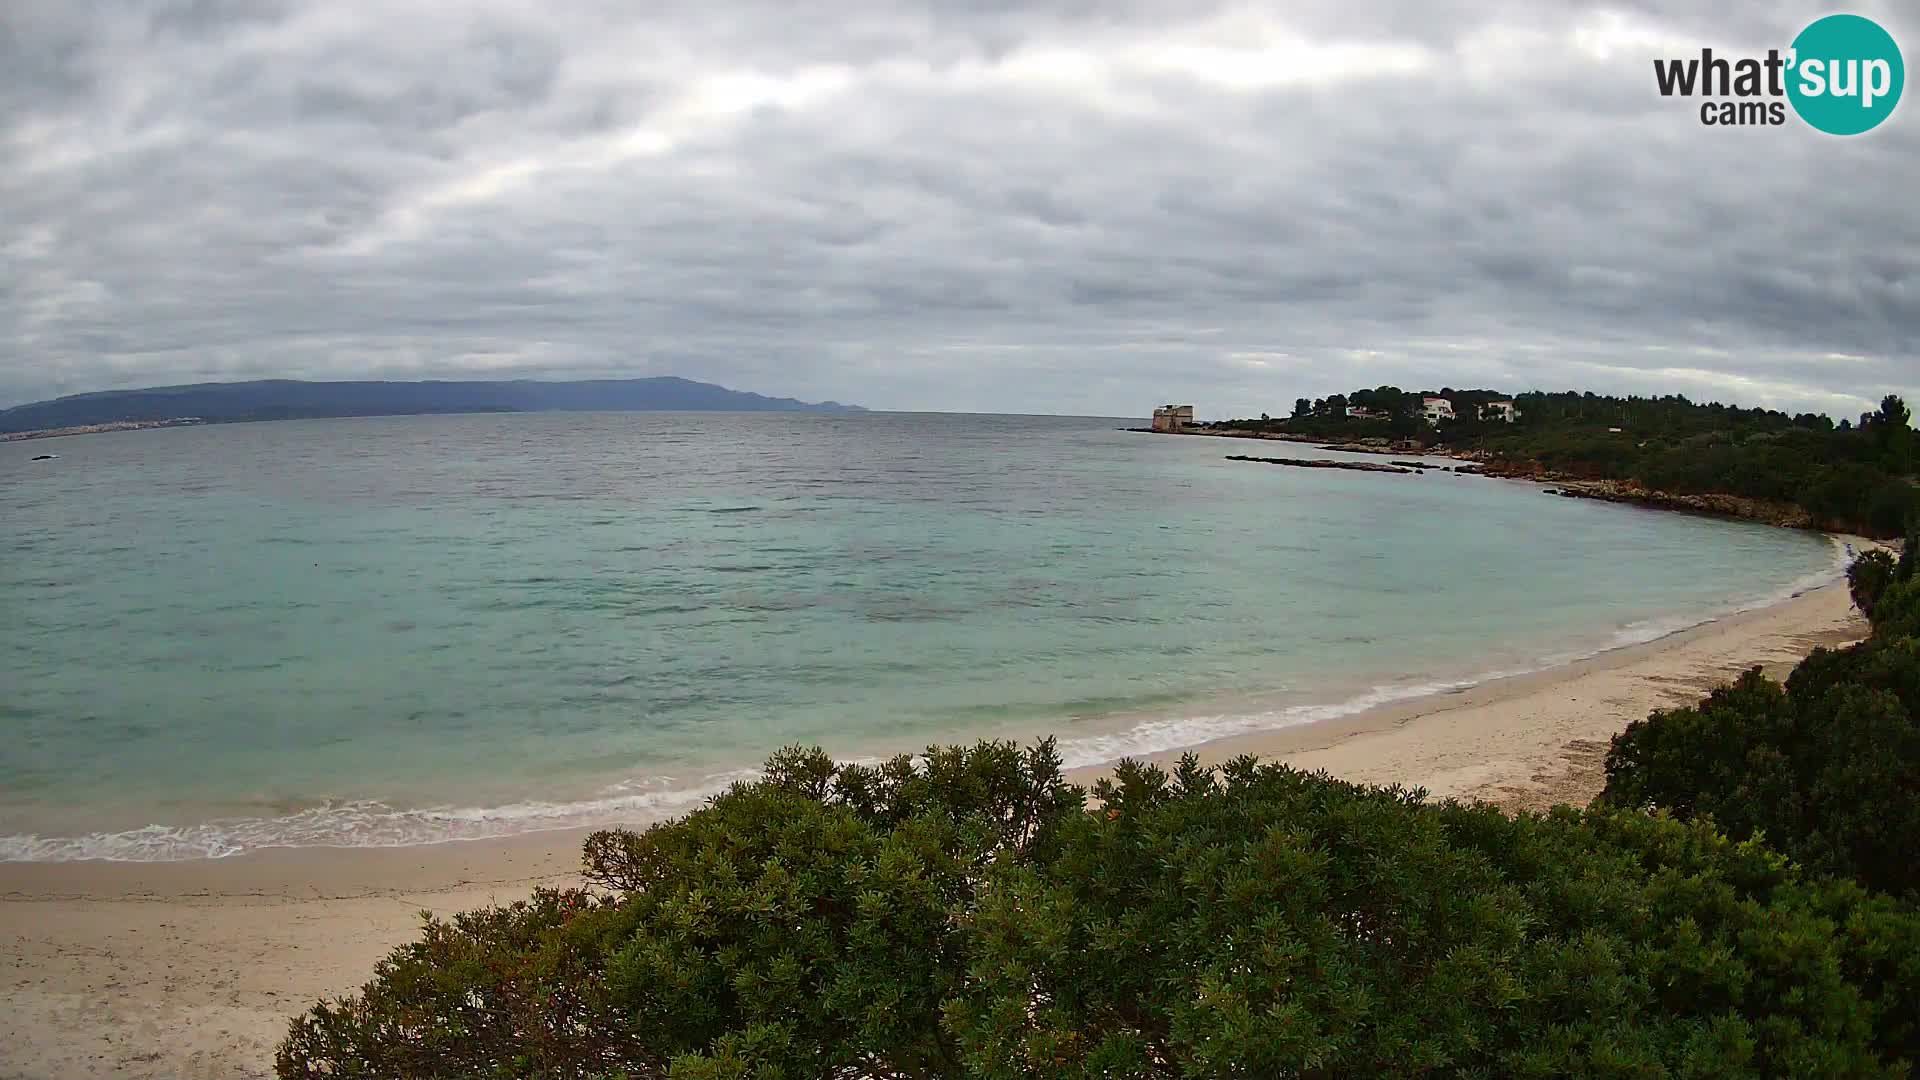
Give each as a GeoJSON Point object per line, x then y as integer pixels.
{"type": "Point", "coordinates": [1825, 767]}
{"type": "Point", "coordinates": [1847, 476]}
{"type": "Point", "coordinates": [970, 914]}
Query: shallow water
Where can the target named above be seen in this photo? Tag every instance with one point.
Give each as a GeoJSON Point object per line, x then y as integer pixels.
{"type": "Point", "coordinates": [393, 630]}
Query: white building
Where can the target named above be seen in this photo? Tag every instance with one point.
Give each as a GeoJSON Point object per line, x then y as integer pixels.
{"type": "Point", "coordinates": [1436, 409]}
{"type": "Point", "coordinates": [1499, 410]}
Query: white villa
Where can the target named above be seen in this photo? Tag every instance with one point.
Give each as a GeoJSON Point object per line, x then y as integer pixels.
{"type": "Point", "coordinates": [1436, 409]}
{"type": "Point", "coordinates": [1499, 410]}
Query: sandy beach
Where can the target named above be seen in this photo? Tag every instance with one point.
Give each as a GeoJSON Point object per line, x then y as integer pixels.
{"type": "Point", "coordinates": [191, 969]}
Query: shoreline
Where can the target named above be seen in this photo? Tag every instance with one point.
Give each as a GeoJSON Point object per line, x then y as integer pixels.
{"type": "Point", "coordinates": [193, 968]}
{"type": "Point", "coordinates": [1419, 741]}
{"type": "Point", "coordinates": [1089, 747]}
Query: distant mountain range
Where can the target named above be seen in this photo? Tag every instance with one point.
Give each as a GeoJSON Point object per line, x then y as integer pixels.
{"type": "Point", "coordinates": [288, 399]}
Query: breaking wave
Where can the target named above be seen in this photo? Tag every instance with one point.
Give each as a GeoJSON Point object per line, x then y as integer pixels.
{"type": "Point", "coordinates": [369, 824]}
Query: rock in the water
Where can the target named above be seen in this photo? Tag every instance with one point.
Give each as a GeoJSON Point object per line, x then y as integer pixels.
{"type": "Point", "coordinates": [1324, 463]}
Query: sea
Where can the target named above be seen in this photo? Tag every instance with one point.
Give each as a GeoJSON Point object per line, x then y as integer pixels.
{"type": "Point", "coordinates": [402, 630]}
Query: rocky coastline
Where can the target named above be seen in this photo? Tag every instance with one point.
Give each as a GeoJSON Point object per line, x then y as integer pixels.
{"type": "Point", "coordinates": [1784, 515]}
{"type": "Point", "coordinates": [1565, 485]}
{"type": "Point", "coordinates": [1325, 463]}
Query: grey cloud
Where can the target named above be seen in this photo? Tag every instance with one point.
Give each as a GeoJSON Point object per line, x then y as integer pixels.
{"type": "Point", "coordinates": [1071, 205]}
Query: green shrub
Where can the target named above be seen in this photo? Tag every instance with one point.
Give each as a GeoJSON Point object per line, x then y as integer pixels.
{"type": "Point", "coordinates": [807, 918]}
{"type": "Point", "coordinates": [1867, 577]}
{"type": "Point", "coordinates": [1282, 924]}
{"type": "Point", "coordinates": [965, 915]}
{"type": "Point", "coordinates": [512, 991]}
{"type": "Point", "coordinates": [1827, 767]}
{"type": "Point", "coordinates": [1896, 613]}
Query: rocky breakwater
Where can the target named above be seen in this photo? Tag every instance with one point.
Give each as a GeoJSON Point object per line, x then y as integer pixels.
{"type": "Point", "coordinates": [1324, 463]}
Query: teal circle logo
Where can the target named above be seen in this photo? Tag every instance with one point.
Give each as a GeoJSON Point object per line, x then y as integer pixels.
{"type": "Point", "coordinates": [1845, 74]}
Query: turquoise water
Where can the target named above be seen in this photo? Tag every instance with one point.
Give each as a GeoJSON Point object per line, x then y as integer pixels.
{"type": "Point", "coordinates": [395, 630]}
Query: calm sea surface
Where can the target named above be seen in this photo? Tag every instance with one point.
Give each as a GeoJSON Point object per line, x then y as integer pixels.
{"type": "Point", "coordinates": [395, 630]}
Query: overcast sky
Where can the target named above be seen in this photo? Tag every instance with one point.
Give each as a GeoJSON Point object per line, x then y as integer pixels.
{"type": "Point", "coordinates": [1037, 206]}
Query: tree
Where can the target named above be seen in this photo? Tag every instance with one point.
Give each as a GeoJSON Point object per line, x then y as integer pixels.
{"type": "Point", "coordinates": [1302, 408]}
{"type": "Point", "coordinates": [966, 915]}
{"type": "Point", "coordinates": [1892, 432]}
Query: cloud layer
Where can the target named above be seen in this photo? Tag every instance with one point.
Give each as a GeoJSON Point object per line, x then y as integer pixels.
{"type": "Point", "coordinates": [1058, 206]}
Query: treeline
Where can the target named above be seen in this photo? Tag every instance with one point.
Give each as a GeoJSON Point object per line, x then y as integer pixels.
{"type": "Point", "coordinates": [1390, 411]}
{"type": "Point", "coordinates": [970, 914]}
{"type": "Point", "coordinates": [1849, 476]}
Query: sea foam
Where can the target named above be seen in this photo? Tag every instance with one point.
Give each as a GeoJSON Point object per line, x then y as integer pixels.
{"type": "Point", "coordinates": [369, 824]}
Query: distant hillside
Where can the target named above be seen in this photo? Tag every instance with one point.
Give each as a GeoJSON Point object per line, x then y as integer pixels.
{"type": "Point", "coordinates": [287, 399]}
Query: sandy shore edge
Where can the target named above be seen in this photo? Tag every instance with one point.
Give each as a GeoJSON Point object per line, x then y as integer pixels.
{"type": "Point", "coordinates": [191, 969]}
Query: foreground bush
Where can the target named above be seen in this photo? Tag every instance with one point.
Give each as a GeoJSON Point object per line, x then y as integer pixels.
{"type": "Point", "coordinates": [1868, 577]}
{"type": "Point", "coordinates": [808, 919]}
{"type": "Point", "coordinates": [1826, 767]}
{"type": "Point", "coordinates": [966, 916]}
